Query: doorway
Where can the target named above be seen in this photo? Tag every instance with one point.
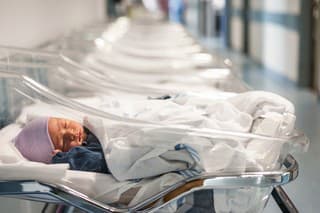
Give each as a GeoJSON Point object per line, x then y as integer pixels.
{"type": "Point", "coordinates": [316, 50]}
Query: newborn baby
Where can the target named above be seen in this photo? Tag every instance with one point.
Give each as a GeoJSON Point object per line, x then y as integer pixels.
{"type": "Point", "coordinates": [58, 140]}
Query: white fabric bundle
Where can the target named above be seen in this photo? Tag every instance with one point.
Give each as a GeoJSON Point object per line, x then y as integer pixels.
{"type": "Point", "coordinates": [129, 151]}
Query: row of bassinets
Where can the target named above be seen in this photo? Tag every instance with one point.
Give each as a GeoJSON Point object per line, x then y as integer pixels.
{"type": "Point", "coordinates": [164, 110]}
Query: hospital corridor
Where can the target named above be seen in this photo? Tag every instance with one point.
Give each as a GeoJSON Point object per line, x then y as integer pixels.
{"type": "Point", "coordinates": [187, 106]}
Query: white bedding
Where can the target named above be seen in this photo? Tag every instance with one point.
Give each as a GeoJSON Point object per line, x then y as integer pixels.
{"type": "Point", "coordinates": [259, 112]}
{"type": "Point", "coordinates": [215, 155]}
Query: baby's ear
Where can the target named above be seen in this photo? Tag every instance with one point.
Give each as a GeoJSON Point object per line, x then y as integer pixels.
{"type": "Point", "coordinates": [54, 152]}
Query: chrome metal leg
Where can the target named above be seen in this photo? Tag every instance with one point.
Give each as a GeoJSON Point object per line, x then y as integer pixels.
{"type": "Point", "coordinates": [283, 200]}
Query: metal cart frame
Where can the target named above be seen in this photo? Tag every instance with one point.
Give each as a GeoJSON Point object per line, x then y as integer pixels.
{"type": "Point", "coordinates": [61, 194]}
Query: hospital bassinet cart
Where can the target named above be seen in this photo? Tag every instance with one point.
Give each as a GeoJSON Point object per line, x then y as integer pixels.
{"type": "Point", "coordinates": [257, 186]}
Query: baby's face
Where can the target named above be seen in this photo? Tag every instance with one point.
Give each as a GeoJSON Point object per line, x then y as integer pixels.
{"type": "Point", "coordinates": [65, 134]}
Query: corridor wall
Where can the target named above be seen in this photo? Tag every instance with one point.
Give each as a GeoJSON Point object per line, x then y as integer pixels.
{"type": "Point", "coordinates": [32, 23]}
{"type": "Point", "coordinates": [277, 35]}
{"type": "Point", "coordinates": [274, 35]}
{"type": "Point", "coordinates": [237, 25]}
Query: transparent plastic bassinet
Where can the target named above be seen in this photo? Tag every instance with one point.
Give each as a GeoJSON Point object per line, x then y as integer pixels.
{"type": "Point", "coordinates": [137, 59]}
{"type": "Point", "coordinates": [238, 186]}
{"type": "Point", "coordinates": [115, 46]}
{"type": "Point", "coordinates": [158, 35]}
{"type": "Point", "coordinates": [157, 44]}
{"type": "Point", "coordinates": [219, 75]}
{"type": "Point", "coordinates": [74, 80]}
{"type": "Point", "coordinates": [127, 63]}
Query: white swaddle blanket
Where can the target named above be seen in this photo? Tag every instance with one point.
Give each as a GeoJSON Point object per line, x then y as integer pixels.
{"type": "Point", "coordinates": [133, 153]}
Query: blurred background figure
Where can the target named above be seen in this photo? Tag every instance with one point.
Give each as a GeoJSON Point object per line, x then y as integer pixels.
{"type": "Point", "coordinates": [151, 5]}
{"type": "Point", "coordinates": [176, 11]}
{"type": "Point", "coordinates": [218, 12]}
{"type": "Point", "coordinates": [158, 8]}
{"type": "Point", "coordinates": [164, 6]}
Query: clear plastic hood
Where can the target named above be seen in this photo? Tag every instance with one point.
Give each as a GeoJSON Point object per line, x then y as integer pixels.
{"type": "Point", "coordinates": [48, 81]}
{"type": "Point", "coordinates": [59, 80]}
{"type": "Point", "coordinates": [125, 142]}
